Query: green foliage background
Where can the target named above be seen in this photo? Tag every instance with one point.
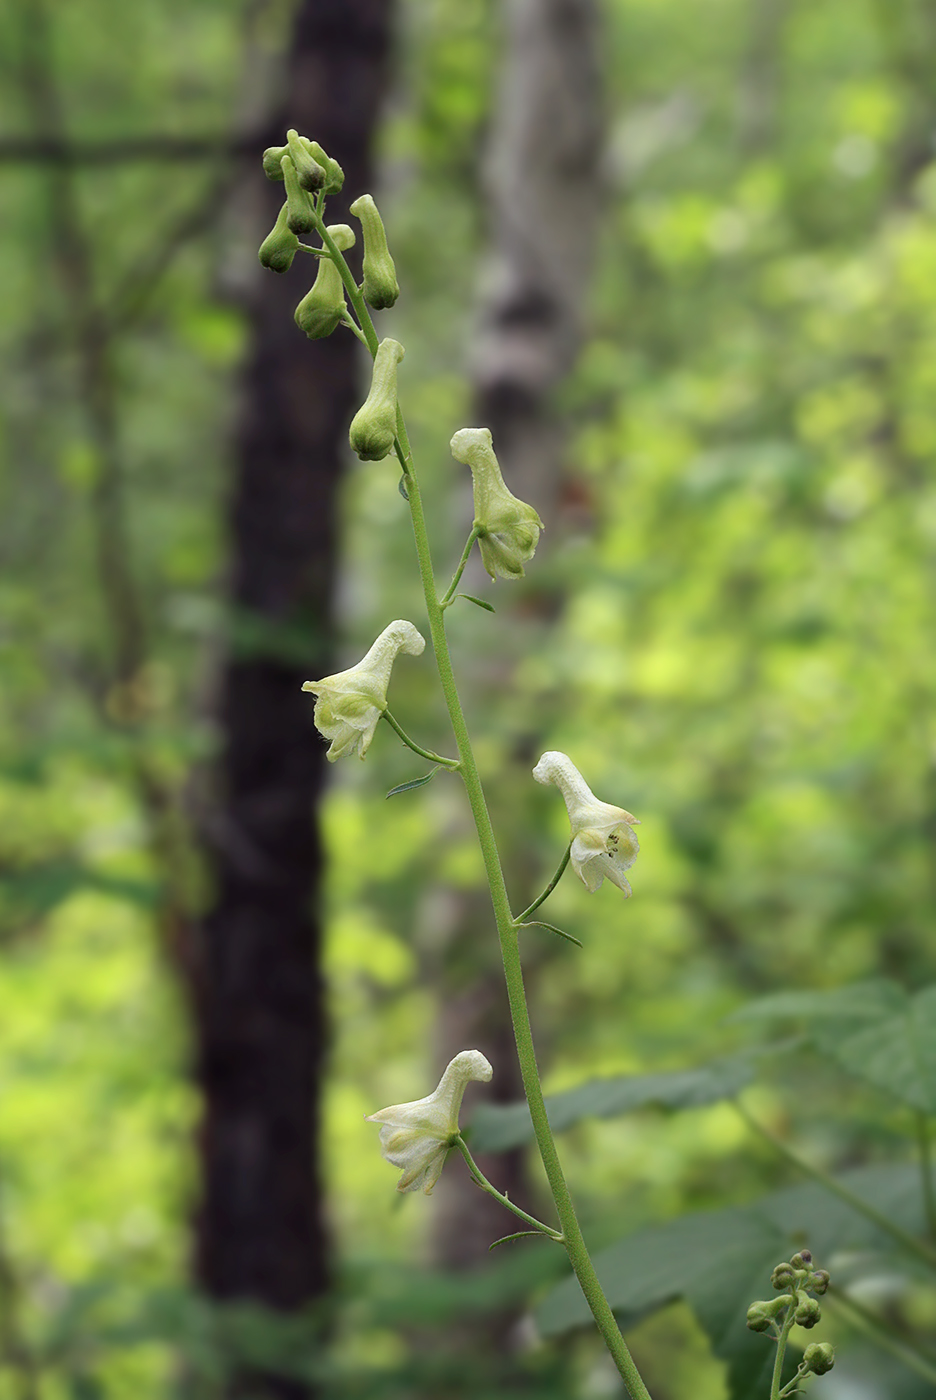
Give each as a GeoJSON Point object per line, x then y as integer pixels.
{"type": "Point", "coordinates": [732, 635]}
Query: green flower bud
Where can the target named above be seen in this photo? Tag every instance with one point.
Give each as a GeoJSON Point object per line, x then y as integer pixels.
{"type": "Point", "coordinates": [299, 215]}
{"type": "Point", "coordinates": [279, 247]}
{"type": "Point", "coordinates": [322, 308]}
{"type": "Point", "coordinates": [761, 1314]}
{"type": "Point", "coordinates": [380, 285]}
{"type": "Point", "coordinates": [783, 1276]}
{"type": "Point", "coordinates": [373, 427]}
{"type": "Point", "coordinates": [808, 1312]}
{"type": "Point", "coordinates": [334, 175]}
{"type": "Point", "coordinates": [508, 529]}
{"type": "Point", "coordinates": [806, 1256]}
{"type": "Point", "coordinates": [819, 1357]}
{"type": "Point", "coordinates": [820, 1281]}
{"type": "Point", "coordinates": [798, 1262]}
{"type": "Point", "coordinates": [310, 173]}
{"type": "Point", "coordinates": [758, 1318]}
{"type": "Point", "coordinates": [271, 161]}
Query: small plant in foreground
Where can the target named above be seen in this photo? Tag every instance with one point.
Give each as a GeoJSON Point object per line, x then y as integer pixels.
{"type": "Point", "coordinates": [797, 1278]}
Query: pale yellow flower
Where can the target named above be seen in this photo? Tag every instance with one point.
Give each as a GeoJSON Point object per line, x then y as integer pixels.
{"type": "Point", "coordinates": [416, 1137]}
{"type": "Point", "coordinates": [508, 529]}
{"type": "Point", "coordinates": [349, 704]}
{"type": "Point", "coordinates": [603, 844]}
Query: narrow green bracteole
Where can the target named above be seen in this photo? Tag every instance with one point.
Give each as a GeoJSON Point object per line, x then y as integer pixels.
{"type": "Point", "coordinates": [300, 216]}
{"type": "Point", "coordinates": [380, 285]}
{"type": "Point", "coordinates": [373, 427]}
{"type": "Point", "coordinates": [271, 161]}
{"type": "Point", "coordinates": [323, 306]}
{"type": "Point", "coordinates": [334, 175]}
{"type": "Point", "coordinates": [310, 173]}
{"type": "Point", "coordinates": [279, 247]}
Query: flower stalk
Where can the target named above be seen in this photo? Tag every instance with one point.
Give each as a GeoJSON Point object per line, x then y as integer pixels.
{"type": "Point", "coordinates": [508, 531]}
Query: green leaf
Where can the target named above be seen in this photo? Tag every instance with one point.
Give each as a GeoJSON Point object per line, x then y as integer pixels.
{"type": "Point", "coordinates": [720, 1261]}
{"type": "Point", "coordinates": [861, 1003]}
{"type": "Point", "coordinates": [898, 1054]}
{"type": "Point", "coordinates": [478, 602]}
{"type": "Point", "coordinates": [874, 1030]}
{"type": "Point", "coordinates": [520, 1235]}
{"type": "Point", "coordinates": [497, 1128]}
{"type": "Point", "coordinates": [415, 782]}
{"type": "Point", "coordinates": [540, 923]}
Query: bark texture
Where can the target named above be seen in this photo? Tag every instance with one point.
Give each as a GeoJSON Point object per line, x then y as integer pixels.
{"type": "Point", "coordinates": [258, 995]}
{"type": "Point", "coordinates": [542, 192]}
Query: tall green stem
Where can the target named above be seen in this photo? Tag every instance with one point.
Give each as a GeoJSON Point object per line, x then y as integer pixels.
{"type": "Point", "coordinates": [926, 1171]}
{"type": "Point", "coordinates": [781, 1351]}
{"type": "Point", "coordinates": [573, 1239]}
{"type": "Point", "coordinates": [510, 952]}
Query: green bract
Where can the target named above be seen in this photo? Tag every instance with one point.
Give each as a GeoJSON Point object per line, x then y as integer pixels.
{"type": "Point", "coordinates": [373, 427]}
{"type": "Point", "coordinates": [323, 306]}
{"type": "Point", "coordinates": [508, 529]}
{"type": "Point", "coordinates": [380, 286]}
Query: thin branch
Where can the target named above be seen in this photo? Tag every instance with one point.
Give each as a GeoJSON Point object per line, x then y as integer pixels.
{"type": "Point", "coordinates": [142, 279]}
{"type": "Point", "coordinates": [61, 150]}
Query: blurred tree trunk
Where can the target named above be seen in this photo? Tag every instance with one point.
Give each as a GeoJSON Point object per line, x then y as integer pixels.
{"type": "Point", "coordinates": [761, 76]}
{"type": "Point", "coordinates": [260, 1024]}
{"type": "Point", "coordinates": [542, 194]}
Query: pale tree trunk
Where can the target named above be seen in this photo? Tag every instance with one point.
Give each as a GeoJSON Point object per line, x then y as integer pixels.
{"type": "Point", "coordinates": [542, 194]}
{"type": "Point", "coordinates": [259, 1023]}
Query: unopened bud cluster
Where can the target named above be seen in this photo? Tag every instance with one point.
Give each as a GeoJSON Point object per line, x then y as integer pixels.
{"type": "Point", "coordinates": [796, 1279]}
{"type": "Point", "coordinates": [309, 174]}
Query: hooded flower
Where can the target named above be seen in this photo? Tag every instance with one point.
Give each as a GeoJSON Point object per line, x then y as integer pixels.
{"type": "Point", "coordinates": [348, 705]}
{"type": "Point", "coordinates": [417, 1136]}
{"type": "Point", "coordinates": [508, 529]}
{"type": "Point", "coordinates": [603, 843]}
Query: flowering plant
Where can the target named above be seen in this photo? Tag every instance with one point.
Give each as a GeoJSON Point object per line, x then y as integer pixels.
{"type": "Point", "coordinates": [417, 1136]}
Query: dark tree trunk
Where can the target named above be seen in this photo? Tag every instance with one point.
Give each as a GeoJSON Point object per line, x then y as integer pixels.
{"type": "Point", "coordinates": [259, 1005]}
